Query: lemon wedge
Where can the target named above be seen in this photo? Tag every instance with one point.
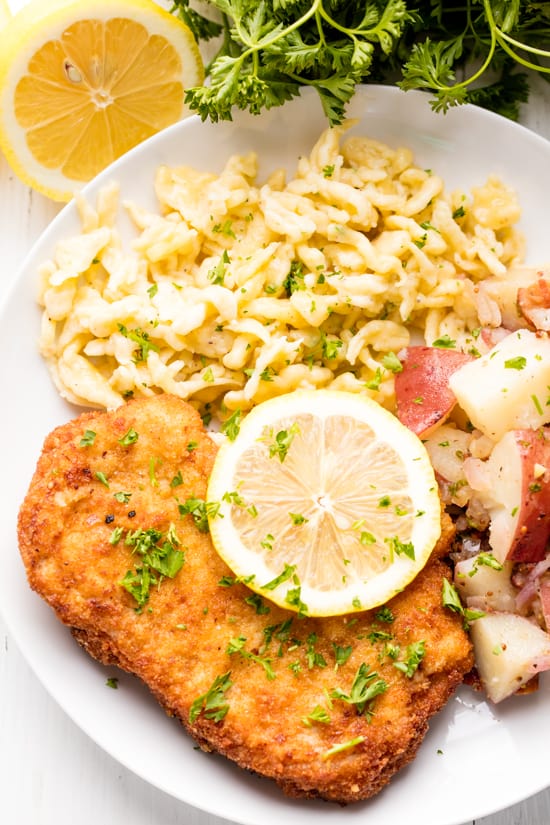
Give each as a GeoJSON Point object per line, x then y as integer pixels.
{"type": "Point", "coordinates": [83, 81]}
{"type": "Point", "coordinates": [325, 503]}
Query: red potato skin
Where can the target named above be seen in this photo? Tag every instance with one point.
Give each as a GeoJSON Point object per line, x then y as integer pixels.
{"type": "Point", "coordinates": [533, 531]}
{"type": "Point", "coordinates": [534, 304]}
{"type": "Point", "coordinates": [424, 399]}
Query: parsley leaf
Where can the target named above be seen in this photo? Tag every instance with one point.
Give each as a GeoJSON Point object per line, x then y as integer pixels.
{"type": "Point", "coordinates": [200, 511]}
{"type": "Point", "coordinates": [451, 600]}
{"type": "Point", "coordinates": [365, 687]}
{"type": "Point", "coordinates": [212, 702]}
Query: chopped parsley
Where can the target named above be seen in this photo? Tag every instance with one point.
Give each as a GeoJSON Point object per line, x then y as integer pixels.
{"type": "Point", "coordinates": [414, 655]}
{"type": "Point", "coordinates": [343, 746]}
{"type": "Point", "coordinates": [129, 438]}
{"type": "Point", "coordinates": [177, 481]}
{"type": "Point", "coordinates": [365, 688]}
{"type": "Point", "coordinates": [212, 703]}
{"type": "Point", "coordinates": [267, 542]}
{"type": "Point", "coordinates": [229, 581]}
{"type": "Point", "coordinates": [400, 548]}
{"type": "Point", "coordinates": [201, 511]}
{"type": "Point", "coordinates": [445, 342]}
{"type": "Point", "coordinates": [116, 535]}
{"type": "Point", "coordinates": [392, 363]}
{"type": "Point", "coordinates": [122, 497]}
{"type": "Point", "coordinates": [256, 601]}
{"type": "Point", "coordinates": [374, 383]}
{"type": "Point", "coordinates": [487, 560]}
{"type": "Point", "coordinates": [294, 599]}
{"type": "Point", "coordinates": [318, 714]}
{"type": "Point", "coordinates": [231, 425]}
{"type": "Point", "coordinates": [237, 645]}
{"type": "Point", "coordinates": [281, 444]}
{"type": "Point", "coordinates": [313, 657]}
{"type": "Point", "coordinates": [451, 600]}
{"type": "Point", "coordinates": [379, 636]}
{"type": "Point", "coordinates": [341, 654]}
{"type": "Point", "coordinates": [217, 273]}
{"type": "Point", "coordinates": [288, 572]}
{"type": "Point", "coordinates": [87, 439]}
{"type": "Point", "coordinates": [224, 228]}
{"type": "Point", "coordinates": [160, 558]}
{"type": "Point", "coordinates": [294, 281]}
{"type": "Point", "coordinates": [517, 363]}
{"type": "Point", "coordinates": [143, 341]}
{"type": "Point", "coordinates": [330, 346]}
{"type": "Point", "coordinates": [384, 614]}
{"type": "Point", "coordinates": [280, 632]}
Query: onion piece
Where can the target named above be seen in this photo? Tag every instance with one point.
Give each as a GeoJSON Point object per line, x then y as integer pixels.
{"type": "Point", "coordinates": [531, 587]}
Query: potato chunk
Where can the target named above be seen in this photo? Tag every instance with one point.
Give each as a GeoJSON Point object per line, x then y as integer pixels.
{"type": "Point", "coordinates": [508, 388]}
{"type": "Point", "coordinates": [509, 650]}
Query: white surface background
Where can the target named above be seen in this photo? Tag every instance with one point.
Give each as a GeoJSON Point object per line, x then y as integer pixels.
{"type": "Point", "coordinates": [50, 772]}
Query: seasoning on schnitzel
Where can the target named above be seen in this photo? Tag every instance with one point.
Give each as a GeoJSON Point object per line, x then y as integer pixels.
{"type": "Point", "coordinates": [113, 534]}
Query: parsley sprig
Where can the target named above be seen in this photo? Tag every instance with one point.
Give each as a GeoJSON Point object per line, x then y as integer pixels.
{"type": "Point", "coordinates": [272, 48]}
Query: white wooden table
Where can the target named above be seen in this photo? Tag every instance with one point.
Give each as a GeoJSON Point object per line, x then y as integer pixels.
{"type": "Point", "coordinates": [50, 772]}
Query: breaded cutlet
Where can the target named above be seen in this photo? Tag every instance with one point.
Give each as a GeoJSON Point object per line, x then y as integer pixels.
{"type": "Point", "coordinates": [112, 535]}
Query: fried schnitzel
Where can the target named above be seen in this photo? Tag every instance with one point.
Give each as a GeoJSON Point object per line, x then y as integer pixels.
{"type": "Point", "coordinates": [113, 535]}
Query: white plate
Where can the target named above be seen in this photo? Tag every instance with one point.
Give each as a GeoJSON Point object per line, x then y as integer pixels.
{"type": "Point", "coordinates": [476, 758]}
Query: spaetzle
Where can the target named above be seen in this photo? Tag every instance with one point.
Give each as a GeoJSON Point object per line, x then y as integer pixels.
{"type": "Point", "coordinates": [236, 290]}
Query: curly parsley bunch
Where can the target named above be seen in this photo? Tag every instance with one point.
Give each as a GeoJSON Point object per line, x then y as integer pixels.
{"type": "Point", "coordinates": [270, 49]}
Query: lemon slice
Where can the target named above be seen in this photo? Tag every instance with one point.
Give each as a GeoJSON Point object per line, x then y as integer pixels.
{"type": "Point", "coordinates": [326, 503]}
{"type": "Point", "coordinates": [83, 81]}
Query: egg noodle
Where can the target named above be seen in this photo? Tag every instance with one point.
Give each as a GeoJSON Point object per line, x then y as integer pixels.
{"type": "Point", "coordinates": [236, 291]}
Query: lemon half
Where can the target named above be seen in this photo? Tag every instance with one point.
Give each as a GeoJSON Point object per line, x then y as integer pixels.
{"type": "Point", "coordinates": [327, 503]}
{"type": "Point", "coordinates": [83, 81]}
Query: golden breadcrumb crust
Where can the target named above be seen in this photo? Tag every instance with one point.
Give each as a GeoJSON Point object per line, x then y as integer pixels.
{"type": "Point", "coordinates": [178, 644]}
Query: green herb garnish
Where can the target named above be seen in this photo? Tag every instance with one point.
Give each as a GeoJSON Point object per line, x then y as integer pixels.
{"type": "Point", "coordinates": [212, 703]}
{"type": "Point", "coordinates": [365, 688]}
{"type": "Point", "coordinates": [87, 439]}
{"type": "Point", "coordinates": [201, 511]}
{"type": "Point", "coordinates": [143, 341]}
{"type": "Point", "coordinates": [160, 557]}
{"type": "Point", "coordinates": [129, 438]}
